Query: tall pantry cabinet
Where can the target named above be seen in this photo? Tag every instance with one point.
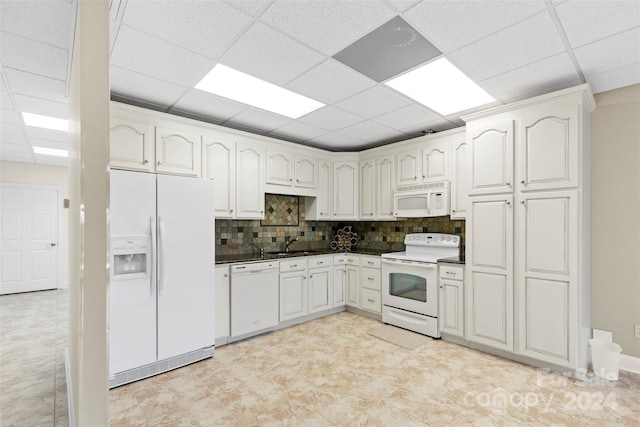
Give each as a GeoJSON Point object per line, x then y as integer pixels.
{"type": "Point", "coordinates": [528, 247]}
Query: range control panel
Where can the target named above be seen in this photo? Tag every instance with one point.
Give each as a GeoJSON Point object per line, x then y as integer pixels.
{"type": "Point", "coordinates": [432, 239]}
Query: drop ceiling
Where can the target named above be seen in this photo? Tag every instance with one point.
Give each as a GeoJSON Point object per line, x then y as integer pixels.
{"type": "Point", "coordinates": [161, 49]}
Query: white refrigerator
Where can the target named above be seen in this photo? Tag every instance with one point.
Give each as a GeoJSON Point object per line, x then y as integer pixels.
{"type": "Point", "coordinates": [162, 263]}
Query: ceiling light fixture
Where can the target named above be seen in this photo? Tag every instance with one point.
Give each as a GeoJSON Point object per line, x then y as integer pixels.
{"type": "Point", "coordinates": [241, 87]}
{"type": "Point", "coordinates": [50, 151]}
{"type": "Point", "coordinates": [442, 87]}
{"type": "Point", "coordinates": [46, 122]}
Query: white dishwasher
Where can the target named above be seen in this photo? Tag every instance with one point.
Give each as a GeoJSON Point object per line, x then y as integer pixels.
{"type": "Point", "coordinates": [254, 297]}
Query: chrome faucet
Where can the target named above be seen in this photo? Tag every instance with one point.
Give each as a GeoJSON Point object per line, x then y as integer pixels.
{"type": "Point", "coordinates": [289, 242]}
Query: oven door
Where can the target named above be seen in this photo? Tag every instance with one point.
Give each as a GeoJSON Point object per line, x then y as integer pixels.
{"type": "Point", "coordinates": [410, 285]}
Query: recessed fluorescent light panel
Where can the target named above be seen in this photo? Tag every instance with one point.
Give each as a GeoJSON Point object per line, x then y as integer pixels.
{"type": "Point", "coordinates": [46, 122]}
{"type": "Point", "coordinates": [442, 87]}
{"type": "Point", "coordinates": [241, 87]}
{"type": "Point", "coordinates": [50, 151]}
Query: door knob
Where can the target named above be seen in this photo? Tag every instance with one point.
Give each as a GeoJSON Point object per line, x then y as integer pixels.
{"type": "Point", "coordinates": [52, 244]}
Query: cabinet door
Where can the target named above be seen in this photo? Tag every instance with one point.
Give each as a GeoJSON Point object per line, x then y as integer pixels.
{"type": "Point", "coordinates": [222, 302]}
{"type": "Point", "coordinates": [279, 168]}
{"type": "Point", "coordinates": [408, 167]}
{"type": "Point", "coordinates": [339, 297]}
{"type": "Point", "coordinates": [385, 177]}
{"type": "Point", "coordinates": [345, 190]}
{"type": "Point", "coordinates": [353, 286]}
{"type": "Point", "coordinates": [325, 187]}
{"type": "Point", "coordinates": [320, 290]}
{"type": "Point", "coordinates": [546, 276]}
{"type": "Point", "coordinates": [490, 254]}
{"type": "Point", "coordinates": [306, 172]}
{"type": "Point", "coordinates": [459, 180]}
{"type": "Point", "coordinates": [491, 157]}
{"type": "Point", "coordinates": [548, 149]}
{"type": "Point", "coordinates": [451, 314]}
{"type": "Point", "coordinates": [177, 152]}
{"type": "Point", "coordinates": [435, 162]}
{"type": "Point", "coordinates": [367, 189]}
{"type": "Point", "coordinates": [219, 164]}
{"type": "Point", "coordinates": [249, 182]}
{"type": "Point", "coordinates": [130, 145]}
{"type": "Point", "coordinates": [293, 295]}
{"type": "Point", "coordinates": [371, 300]}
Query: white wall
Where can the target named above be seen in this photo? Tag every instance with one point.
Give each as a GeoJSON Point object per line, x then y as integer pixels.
{"type": "Point", "coordinates": [615, 215]}
{"type": "Point", "coordinates": [52, 176]}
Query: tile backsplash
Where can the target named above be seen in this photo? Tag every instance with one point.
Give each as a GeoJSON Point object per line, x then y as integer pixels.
{"type": "Point", "coordinates": [249, 236]}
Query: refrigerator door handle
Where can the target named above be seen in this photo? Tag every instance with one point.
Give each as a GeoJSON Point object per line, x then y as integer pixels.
{"type": "Point", "coordinates": [161, 254]}
{"type": "Point", "coordinates": [152, 254]}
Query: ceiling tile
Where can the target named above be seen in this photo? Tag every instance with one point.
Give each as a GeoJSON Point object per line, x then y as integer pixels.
{"type": "Point", "coordinates": [204, 27]}
{"type": "Point", "coordinates": [32, 56]}
{"type": "Point", "coordinates": [144, 88]}
{"type": "Point", "coordinates": [59, 145]}
{"type": "Point", "coordinates": [330, 82]}
{"type": "Point", "coordinates": [259, 120]}
{"type": "Point", "coordinates": [298, 131]}
{"type": "Point", "coordinates": [370, 131]}
{"type": "Point", "coordinates": [337, 141]}
{"type": "Point", "coordinates": [9, 117]}
{"type": "Point", "coordinates": [327, 26]}
{"type": "Point", "coordinates": [2, 86]}
{"type": "Point", "coordinates": [536, 77]}
{"type": "Point", "coordinates": [252, 7]}
{"type": "Point", "coordinates": [451, 25]}
{"type": "Point", "coordinates": [270, 55]}
{"type": "Point", "coordinates": [35, 85]}
{"type": "Point", "coordinates": [409, 117]}
{"type": "Point", "coordinates": [402, 5]}
{"type": "Point", "coordinates": [373, 102]}
{"type": "Point", "coordinates": [587, 21]}
{"type": "Point", "coordinates": [51, 160]}
{"type": "Point", "coordinates": [10, 129]}
{"type": "Point", "coordinates": [610, 53]}
{"type": "Point", "coordinates": [12, 139]}
{"type": "Point", "coordinates": [614, 79]}
{"type": "Point", "coordinates": [147, 55]}
{"type": "Point", "coordinates": [24, 148]}
{"type": "Point", "coordinates": [51, 135]}
{"type": "Point", "coordinates": [330, 118]}
{"type": "Point", "coordinates": [28, 104]}
{"type": "Point", "coordinates": [519, 45]}
{"type": "Point", "coordinates": [16, 156]}
{"type": "Point", "coordinates": [5, 101]}
{"type": "Point", "coordinates": [209, 105]}
{"type": "Point", "coordinates": [50, 22]}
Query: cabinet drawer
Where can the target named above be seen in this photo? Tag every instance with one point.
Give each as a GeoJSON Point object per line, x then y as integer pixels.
{"type": "Point", "coordinates": [371, 300]}
{"type": "Point", "coordinates": [299, 263]}
{"type": "Point", "coordinates": [352, 260]}
{"type": "Point", "coordinates": [371, 278]}
{"type": "Point", "coordinates": [371, 262]}
{"type": "Point", "coordinates": [448, 271]}
{"type": "Point", "coordinates": [319, 261]}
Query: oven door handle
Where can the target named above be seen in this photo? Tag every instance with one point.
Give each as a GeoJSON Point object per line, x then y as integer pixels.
{"type": "Point", "coordinates": [414, 263]}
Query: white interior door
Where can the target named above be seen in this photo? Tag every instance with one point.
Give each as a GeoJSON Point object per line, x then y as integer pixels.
{"type": "Point", "coordinates": [28, 239]}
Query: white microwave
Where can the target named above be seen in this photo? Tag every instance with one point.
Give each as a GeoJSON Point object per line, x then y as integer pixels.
{"type": "Point", "coordinates": [420, 201]}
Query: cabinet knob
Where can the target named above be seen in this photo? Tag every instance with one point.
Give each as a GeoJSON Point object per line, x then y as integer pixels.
{"type": "Point", "coordinates": [453, 210]}
{"type": "Point", "coordinates": [145, 162]}
{"type": "Point", "coordinates": [226, 275]}
{"type": "Point", "coordinates": [522, 202]}
{"type": "Point", "coordinates": [507, 202]}
{"type": "Point", "coordinates": [523, 182]}
{"type": "Point", "coordinates": [159, 163]}
{"type": "Point", "coordinates": [297, 180]}
{"type": "Point", "coordinates": [290, 179]}
{"type": "Point", "coordinates": [508, 183]}
{"type": "Point", "coordinates": [261, 212]}
{"type": "Point", "coordinates": [231, 211]}
{"type": "Point", "coordinates": [415, 177]}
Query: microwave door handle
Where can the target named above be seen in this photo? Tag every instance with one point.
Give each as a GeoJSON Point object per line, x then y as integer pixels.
{"type": "Point", "coordinates": [429, 202]}
{"type": "Point", "coordinates": [153, 253]}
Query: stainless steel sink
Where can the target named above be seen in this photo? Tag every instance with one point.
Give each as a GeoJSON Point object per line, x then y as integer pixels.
{"type": "Point", "coordinates": [292, 253]}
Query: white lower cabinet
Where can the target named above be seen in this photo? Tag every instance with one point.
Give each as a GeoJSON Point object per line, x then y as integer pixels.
{"type": "Point", "coordinates": [451, 315]}
{"type": "Point", "coordinates": [320, 289]}
{"type": "Point", "coordinates": [339, 279]}
{"type": "Point", "coordinates": [293, 289]}
{"type": "Point", "coordinates": [352, 285]}
{"type": "Point", "coordinates": [222, 301]}
{"type": "Point", "coordinates": [371, 283]}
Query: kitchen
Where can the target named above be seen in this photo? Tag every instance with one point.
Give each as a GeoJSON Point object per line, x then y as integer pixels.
{"type": "Point", "coordinates": [618, 100]}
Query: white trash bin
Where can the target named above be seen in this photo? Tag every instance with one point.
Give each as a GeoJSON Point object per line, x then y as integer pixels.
{"type": "Point", "coordinates": [605, 359]}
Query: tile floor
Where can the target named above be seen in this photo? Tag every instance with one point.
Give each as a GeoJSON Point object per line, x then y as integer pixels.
{"type": "Point", "coordinates": [322, 373]}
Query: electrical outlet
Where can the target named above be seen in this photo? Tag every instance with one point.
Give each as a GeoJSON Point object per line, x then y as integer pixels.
{"type": "Point", "coordinates": [637, 330]}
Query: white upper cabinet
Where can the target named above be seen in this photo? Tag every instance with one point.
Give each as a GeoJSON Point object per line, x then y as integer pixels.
{"type": "Point", "coordinates": [219, 164]}
{"type": "Point", "coordinates": [177, 152]}
{"type": "Point", "coordinates": [249, 181]}
{"type": "Point", "coordinates": [131, 146]}
{"type": "Point", "coordinates": [547, 150]}
{"type": "Point", "coordinates": [384, 187]}
{"type": "Point", "coordinates": [345, 190]}
{"type": "Point", "coordinates": [320, 207]}
{"type": "Point", "coordinates": [306, 171]}
{"type": "Point", "coordinates": [459, 178]}
{"type": "Point", "coordinates": [279, 168]}
{"type": "Point", "coordinates": [408, 167]}
{"type": "Point", "coordinates": [435, 161]}
{"type": "Point", "coordinates": [367, 189]}
{"type": "Point", "coordinates": [491, 157]}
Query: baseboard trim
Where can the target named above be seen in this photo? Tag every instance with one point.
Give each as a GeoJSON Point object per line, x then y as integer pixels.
{"type": "Point", "coordinates": [67, 374]}
{"type": "Point", "coordinates": [630, 364]}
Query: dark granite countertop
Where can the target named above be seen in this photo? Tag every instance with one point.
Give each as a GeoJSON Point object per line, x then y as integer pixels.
{"type": "Point", "coordinates": [458, 259]}
{"type": "Point", "coordinates": [248, 257]}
